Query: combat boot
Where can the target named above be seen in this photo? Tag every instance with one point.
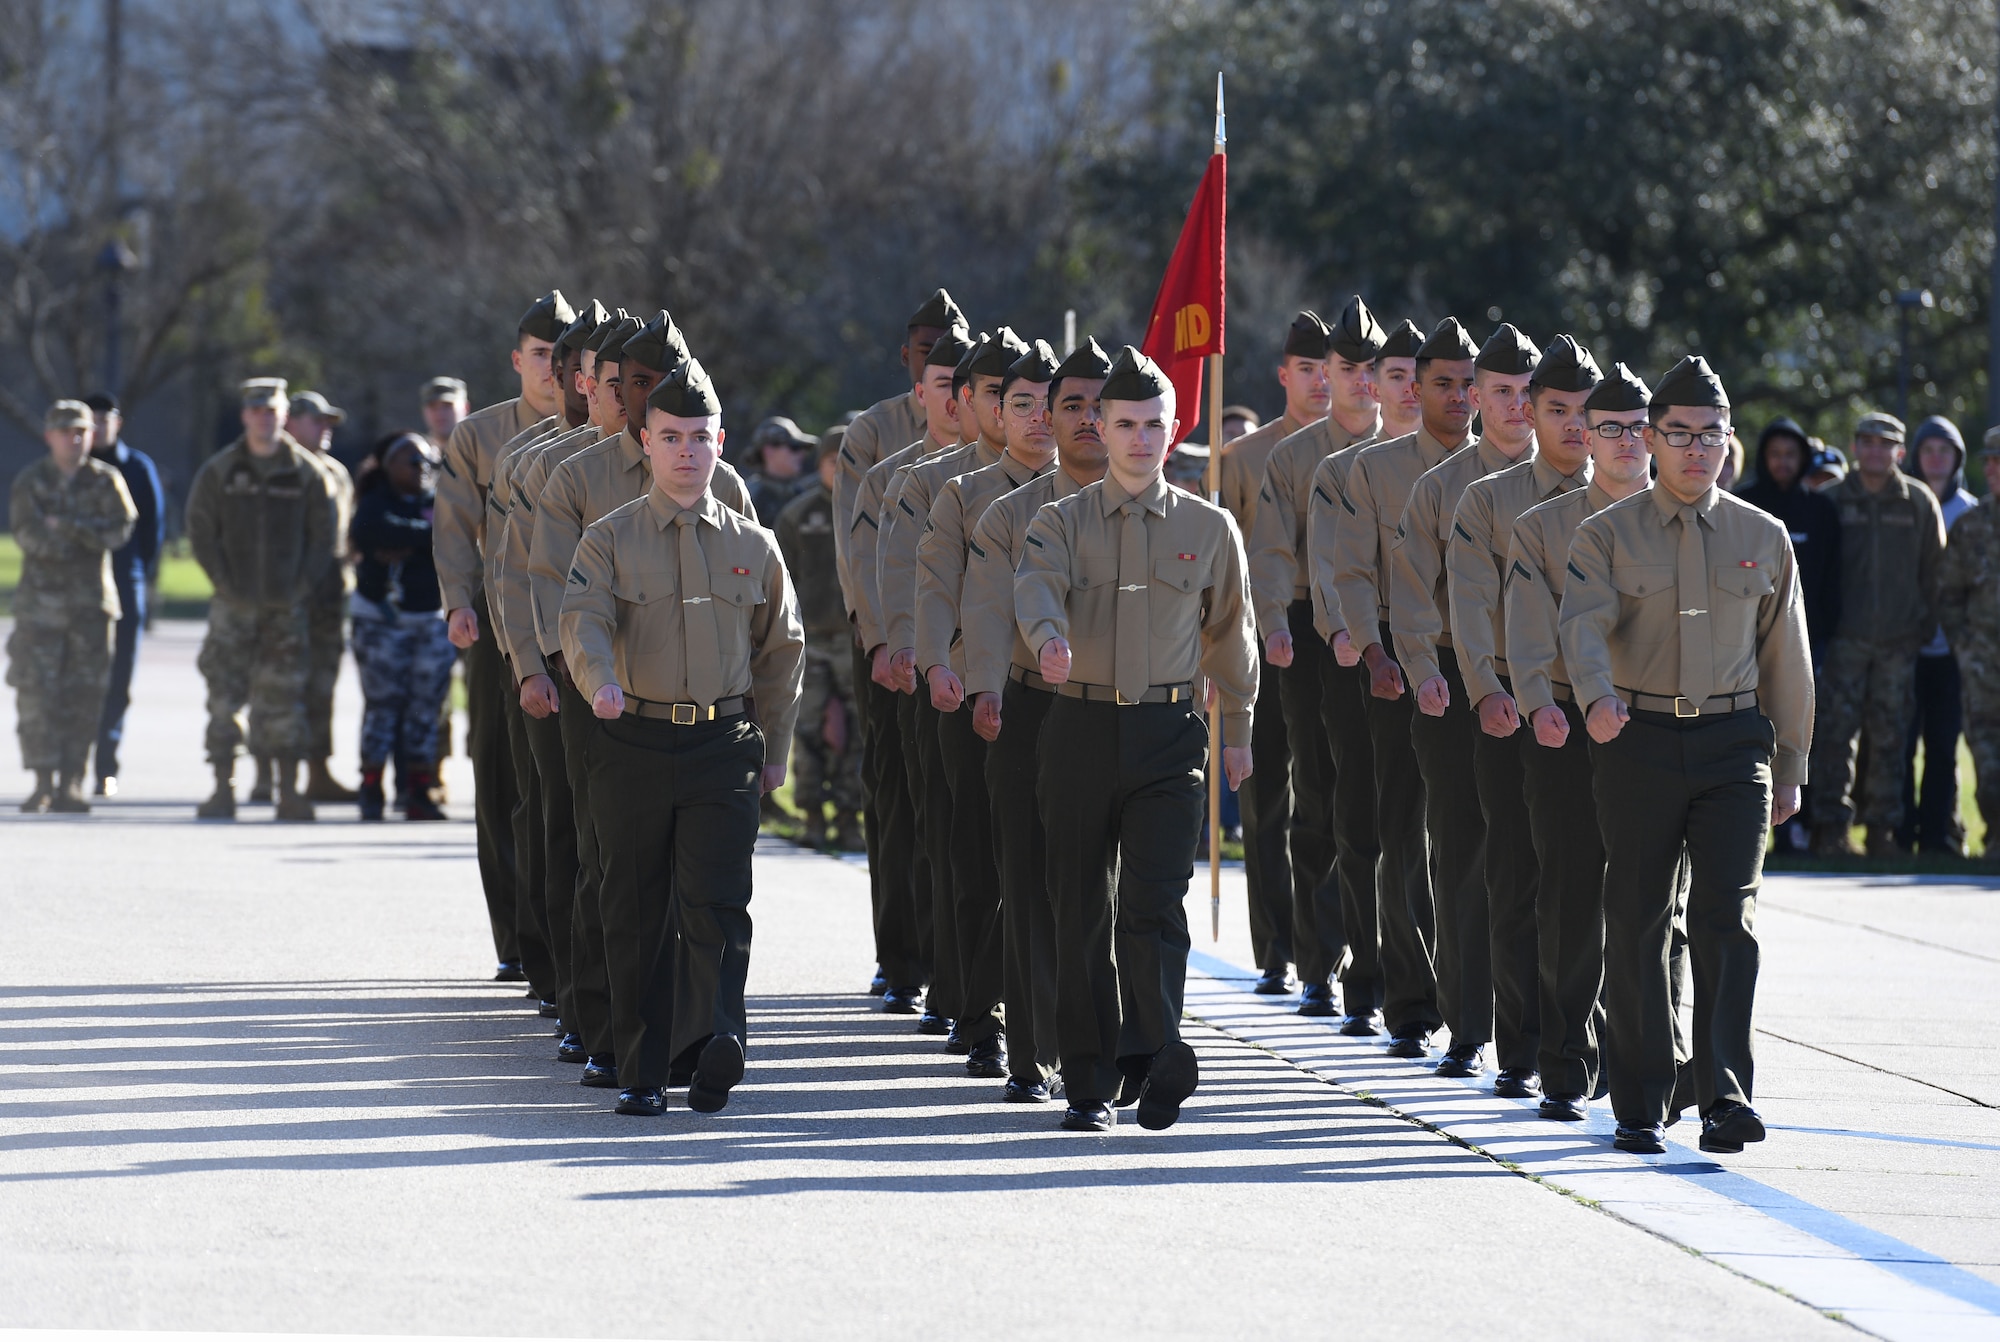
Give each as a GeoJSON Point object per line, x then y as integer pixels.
{"type": "Point", "coordinates": [1882, 842]}
{"type": "Point", "coordinates": [1833, 841]}
{"type": "Point", "coordinates": [420, 805]}
{"type": "Point", "coordinates": [323, 786]}
{"type": "Point", "coordinates": [44, 794]}
{"type": "Point", "coordinates": [848, 836]}
{"type": "Point", "coordinates": [371, 794]}
{"type": "Point", "coordinates": [221, 805]}
{"type": "Point", "coordinates": [292, 808]}
{"type": "Point", "coordinates": [260, 786]}
{"type": "Point", "coordinates": [69, 798]}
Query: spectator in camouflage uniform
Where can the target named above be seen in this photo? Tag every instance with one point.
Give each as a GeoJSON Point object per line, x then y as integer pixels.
{"type": "Point", "coordinates": [68, 513]}
{"type": "Point", "coordinates": [1891, 546]}
{"type": "Point", "coordinates": [826, 761]}
{"type": "Point", "coordinates": [1969, 607]}
{"type": "Point", "coordinates": [260, 519]}
{"type": "Point", "coordinates": [311, 420]}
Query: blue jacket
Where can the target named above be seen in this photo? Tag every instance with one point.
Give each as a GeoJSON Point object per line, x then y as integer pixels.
{"type": "Point", "coordinates": [133, 562]}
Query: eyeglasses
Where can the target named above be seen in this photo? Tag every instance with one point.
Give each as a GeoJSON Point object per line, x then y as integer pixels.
{"type": "Point", "coordinates": [1616, 431]}
{"type": "Point", "coordinates": [1684, 438]}
{"type": "Point", "coordinates": [1022, 407]}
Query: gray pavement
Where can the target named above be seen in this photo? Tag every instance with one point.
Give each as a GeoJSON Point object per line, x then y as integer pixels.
{"type": "Point", "coordinates": [251, 1077]}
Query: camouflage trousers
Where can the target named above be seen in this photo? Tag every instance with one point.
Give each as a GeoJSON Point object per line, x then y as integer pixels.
{"type": "Point", "coordinates": [1982, 735]}
{"type": "Point", "coordinates": [255, 656]}
{"type": "Point", "coordinates": [58, 671]}
{"type": "Point", "coordinates": [1867, 687]}
{"type": "Point", "coordinates": [326, 639]}
{"type": "Point", "coordinates": [405, 663]}
{"type": "Point", "coordinates": [819, 772]}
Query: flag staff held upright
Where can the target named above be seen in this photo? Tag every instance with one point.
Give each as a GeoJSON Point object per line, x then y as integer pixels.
{"type": "Point", "coordinates": [1215, 777]}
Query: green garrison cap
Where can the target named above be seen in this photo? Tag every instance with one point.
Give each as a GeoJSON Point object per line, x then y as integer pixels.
{"type": "Point", "coordinates": [658, 344]}
{"type": "Point", "coordinates": [1309, 337]}
{"type": "Point", "coordinates": [1134, 377]}
{"type": "Point", "coordinates": [961, 372]}
{"type": "Point", "coordinates": [1508, 351]}
{"type": "Point", "coordinates": [611, 345]}
{"type": "Point", "coordinates": [1357, 336]}
{"type": "Point", "coordinates": [1567, 366]}
{"type": "Point", "coordinates": [577, 334]}
{"type": "Point", "coordinates": [939, 311]}
{"type": "Point", "coordinates": [1403, 342]}
{"type": "Point", "coordinates": [546, 319]}
{"type": "Point", "coordinates": [1690, 382]}
{"type": "Point", "coordinates": [1623, 390]}
{"type": "Point", "coordinates": [1449, 341]}
{"type": "Point", "coordinates": [594, 338]}
{"type": "Point", "coordinates": [1086, 360]}
{"type": "Point", "coordinates": [686, 392]}
{"type": "Point", "coordinates": [998, 354]}
{"type": "Point", "coordinates": [951, 347]}
{"type": "Point", "coordinates": [1039, 364]}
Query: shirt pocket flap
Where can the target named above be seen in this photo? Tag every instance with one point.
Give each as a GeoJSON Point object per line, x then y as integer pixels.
{"type": "Point", "coordinates": [738, 589]}
{"type": "Point", "coordinates": [642, 587]}
{"type": "Point", "coordinates": [1094, 571]}
{"type": "Point", "coordinates": [1179, 574]}
{"type": "Point", "coordinates": [1642, 579]}
{"type": "Point", "coordinates": [1737, 580]}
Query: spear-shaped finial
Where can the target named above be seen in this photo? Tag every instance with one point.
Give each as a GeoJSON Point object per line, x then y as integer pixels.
{"type": "Point", "coordinates": [1221, 122]}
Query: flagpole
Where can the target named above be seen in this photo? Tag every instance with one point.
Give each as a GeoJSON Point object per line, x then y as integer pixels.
{"type": "Point", "coordinates": [1216, 780]}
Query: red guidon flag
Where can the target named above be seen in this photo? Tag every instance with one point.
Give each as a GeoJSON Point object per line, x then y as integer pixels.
{"type": "Point", "coordinates": [1187, 315]}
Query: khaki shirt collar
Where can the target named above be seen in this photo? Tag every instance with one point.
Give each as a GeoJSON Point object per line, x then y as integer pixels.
{"type": "Point", "coordinates": [1431, 451]}
{"type": "Point", "coordinates": [631, 452]}
{"type": "Point", "coordinates": [1670, 507]}
{"type": "Point", "coordinates": [1114, 497]}
{"type": "Point", "coordinates": [1018, 471]}
{"type": "Point", "coordinates": [1599, 500]}
{"type": "Point", "coordinates": [665, 510]}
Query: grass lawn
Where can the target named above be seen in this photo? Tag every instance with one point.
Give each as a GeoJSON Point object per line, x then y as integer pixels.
{"type": "Point", "coordinates": [182, 593]}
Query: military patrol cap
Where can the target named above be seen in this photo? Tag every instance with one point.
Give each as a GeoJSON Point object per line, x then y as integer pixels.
{"type": "Point", "coordinates": [1566, 366]}
{"type": "Point", "coordinates": [1357, 337]}
{"type": "Point", "coordinates": [1086, 360]}
{"type": "Point", "coordinates": [1449, 341]}
{"type": "Point", "coordinates": [658, 344]}
{"type": "Point", "coordinates": [312, 403]}
{"type": "Point", "coordinates": [611, 344]}
{"type": "Point", "coordinates": [1881, 425]}
{"type": "Point", "coordinates": [686, 392]}
{"type": "Point", "coordinates": [951, 347]}
{"type": "Point", "coordinates": [939, 311]}
{"type": "Point", "coordinates": [998, 354]}
{"type": "Point", "coordinates": [1134, 377]}
{"type": "Point", "coordinates": [1242, 412]}
{"type": "Point", "coordinates": [1509, 352]}
{"type": "Point", "coordinates": [830, 440]}
{"type": "Point", "coordinates": [1309, 337]}
{"type": "Point", "coordinates": [781, 429]}
{"type": "Point", "coordinates": [1622, 390]}
{"type": "Point", "coordinates": [547, 317]}
{"type": "Point", "coordinates": [1403, 342]}
{"type": "Point", "coordinates": [444, 389]}
{"type": "Point", "coordinates": [1693, 382]}
{"type": "Point", "coordinates": [1039, 364]}
{"type": "Point", "coordinates": [1990, 444]}
{"type": "Point", "coordinates": [264, 391]}
{"type": "Point", "coordinates": [67, 415]}
{"type": "Point", "coordinates": [577, 334]}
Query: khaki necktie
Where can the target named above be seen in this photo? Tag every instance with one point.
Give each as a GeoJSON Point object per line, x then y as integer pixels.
{"type": "Point", "coordinates": [703, 648]}
{"type": "Point", "coordinates": [1697, 633]}
{"type": "Point", "coordinates": [1132, 653]}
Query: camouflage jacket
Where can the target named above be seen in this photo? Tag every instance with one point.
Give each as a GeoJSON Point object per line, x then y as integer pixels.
{"type": "Point", "coordinates": [262, 528]}
{"type": "Point", "coordinates": [805, 536]}
{"type": "Point", "coordinates": [1969, 589]}
{"type": "Point", "coordinates": [66, 567]}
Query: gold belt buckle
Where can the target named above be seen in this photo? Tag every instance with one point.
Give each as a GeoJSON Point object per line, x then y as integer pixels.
{"type": "Point", "coordinates": [689, 710]}
{"type": "Point", "coordinates": [1684, 709]}
{"type": "Point", "coordinates": [1119, 696]}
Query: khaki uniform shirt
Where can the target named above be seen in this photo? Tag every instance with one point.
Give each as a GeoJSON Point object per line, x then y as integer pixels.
{"type": "Point", "coordinates": [66, 569]}
{"type": "Point", "coordinates": [1621, 619]}
{"type": "Point", "coordinates": [458, 527]}
{"type": "Point", "coordinates": [623, 620]}
{"type": "Point", "coordinates": [1419, 609]}
{"type": "Point", "coordinates": [500, 492]}
{"type": "Point", "coordinates": [884, 428]}
{"type": "Point", "coordinates": [1378, 488]}
{"type": "Point", "coordinates": [510, 591]}
{"type": "Point", "coordinates": [1243, 462]}
{"type": "Point", "coordinates": [993, 641]}
{"type": "Point", "coordinates": [1891, 547]}
{"type": "Point", "coordinates": [943, 554]}
{"type": "Point", "coordinates": [1537, 562]}
{"type": "Point", "coordinates": [1475, 560]}
{"type": "Point", "coordinates": [1279, 574]}
{"type": "Point", "coordinates": [1327, 509]}
{"type": "Point", "coordinates": [262, 527]}
{"type": "Point", "coordinates": [1067, 587]}
{"type": "Point", "coordinates": [864, 540]}
{"type": "Point", "coordinates": [906, 510]}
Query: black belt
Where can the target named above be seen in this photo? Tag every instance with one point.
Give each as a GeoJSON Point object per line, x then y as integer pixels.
{"type": "Point", "coordinates": [1021, 675]}
{"type": "Point", "coordinates": [1108, 694]}
{"type": "Point", "coordinates": [1682, 708]}
{"type": "Point", "coordinates": [685, 715]}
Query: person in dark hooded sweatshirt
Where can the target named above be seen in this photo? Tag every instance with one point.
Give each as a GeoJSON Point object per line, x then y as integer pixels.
{"type": "Point", "coordinates": [1937, 457]}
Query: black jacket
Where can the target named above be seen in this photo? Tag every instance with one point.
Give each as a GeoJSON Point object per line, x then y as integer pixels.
{"type": "Point", "coordinates": [1814, 524]}
{"type": "Point", "coordinates": [385, 521]}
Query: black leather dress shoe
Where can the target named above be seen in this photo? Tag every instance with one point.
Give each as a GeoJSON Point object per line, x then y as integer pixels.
{"type": "Point", "coordinates": [642, 1102]}
{"type": "Point", "coordinates": [1361, 1024]}
{"type": "Point", "coordinates": [1316, 999]}
{"type": "Point", "coordinates": [1729, 1126]}
{"type": "Point", "coordinates": [954, 1042]}
{"type": "Point", "coordinates": [877, 985]}
{"type": "Point", "coordinates": [1563, 1108]}
{"type": "Point", "coordinates": [903, 1001]}
{"type": "Point", "coordinates": [988, 1057]}
{"type": "Point", "coordinates": [548, 1010]}
{"type": "Point", "coordinates": [1273, 983]}
{"type": "Point", "coordinates": [1648, 1141]}
{"type": "Point", "coordinates": [932, 1023]}
{"type": "Point", "coordinates": [510, 971]}
{"type": "Point", "coordinates": [1461, 1062]}
{"type": "Point", "coordinates": [600, 1071]}
{"type": "Point", "coordinates": [1517, 1083]}
{"type": "Point", "coordinates": [1089, 1116]}
{"type": "Point", "coordinates": [1409, 1044]}
{"type": "Point", "coordinates": [570, 1049]}
{"type": "Point", "coordinates": [1022, 1091]}
{"type": "Point", "coordinates": [1684, 1097]}
{"type": "Point", "coordinates": [1129, 1088]}
{"type": "Point", "coordinates": [716, 1072]}
{"type": "Point", "coordinates": [1170, 1080]}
